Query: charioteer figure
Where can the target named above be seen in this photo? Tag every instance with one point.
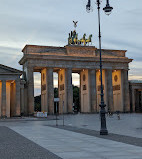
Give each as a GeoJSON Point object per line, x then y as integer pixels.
{"type": "Point", "coordinates": [73, 37]}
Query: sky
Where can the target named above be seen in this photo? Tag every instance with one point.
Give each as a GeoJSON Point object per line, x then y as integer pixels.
{"type": "Point", "coordinates": [48, 22]}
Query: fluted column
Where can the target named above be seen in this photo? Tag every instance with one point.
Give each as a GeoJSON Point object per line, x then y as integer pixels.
{"type": "Point", "coordinates": [85, 91]}
{"type": "Point", "coordinates": [3, 105]}
{"type": "Point", "coordinates": [133, 100]}
{"type": "Point", "coordinates": [22, 102]}
{"type": "Point", "coordinates": [8, 99]}
{"type": "Point", "coordinates": [93, 90]}
{"type": "Point", "coordinates": [30, 82]}
{"type": "Point", "coordinates": [50, 90]}
{"type": "Point", "coordinates": [69, 90]}
{"type": "Point", "coordinates": [62, 90]}
{"type": "Point", "coordinates": [141, 101]}
{"type": "Point", "coordinates": [109, 90]}
{"type": "Point", "coordinates": [0, 97]}
{"type": "Point", "coordinates": [17, 107]}
{"type": "Point", "coordinates": [44, 90]}
{"type": "Point", "coordinates": [126, 101]}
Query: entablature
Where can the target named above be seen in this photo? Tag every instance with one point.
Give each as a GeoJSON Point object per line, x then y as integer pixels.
{"type": "Point", "coordinates": [75, 64]}
{"type": "Point", "coordinates": [70, 51]}
{"type": "Point", "coordinates": [72, 56]}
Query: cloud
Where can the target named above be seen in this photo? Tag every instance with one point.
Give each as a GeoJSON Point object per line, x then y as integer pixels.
{"type": "Point", "coordinates": [48, 22]}
{"type": "Point", "coordinates": [10, 56]}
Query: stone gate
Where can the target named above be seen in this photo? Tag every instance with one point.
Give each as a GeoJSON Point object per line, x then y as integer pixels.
{"type": "Point", "coordinates": [83, 60]}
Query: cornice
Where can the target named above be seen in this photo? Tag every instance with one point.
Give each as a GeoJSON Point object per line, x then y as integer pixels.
{"type": "Point", "coordinates": [73, 58]}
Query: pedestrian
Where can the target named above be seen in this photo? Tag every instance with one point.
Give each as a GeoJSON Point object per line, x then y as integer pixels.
{"type": "Point", "coordinates": [118, 115]}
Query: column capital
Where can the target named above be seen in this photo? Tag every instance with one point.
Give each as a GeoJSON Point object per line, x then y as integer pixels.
{"type": "Point", "coordinates": [3, 81]}
{"type": "Point", "coordinates": [30, 67]}
{"type": "Point", "coordinates": [92, 70]}
{"type": "Point", "coordinates": [109, 69]}
{"type": "Point", "coordinates": [126, 69]}
{"type": "Point", "coordinates": [69, 68]}
{"type": "Point", "coordinates": [50, 68]}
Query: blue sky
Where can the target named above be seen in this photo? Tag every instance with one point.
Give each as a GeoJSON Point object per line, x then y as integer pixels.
{"type": "Point", "coordinates": [48, 22]}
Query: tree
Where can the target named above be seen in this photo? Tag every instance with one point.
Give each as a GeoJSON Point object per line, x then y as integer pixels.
{"type": "Point", "coordinates": [37, 102]}
{"type": "Point", "coordinates": [55, 92]}
{"type": "Point", "coordinates": [76, 92]}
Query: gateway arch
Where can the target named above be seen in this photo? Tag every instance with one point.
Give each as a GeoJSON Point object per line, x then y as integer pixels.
{"type": "Point", "coordinates": [76, 59]}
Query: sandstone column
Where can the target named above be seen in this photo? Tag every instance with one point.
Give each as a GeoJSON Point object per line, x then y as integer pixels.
{"type": "Point", "coordinates": [62, 90]}
{"type": "Point", "coordinates": [44, 90]}
{"type": "Point", "coordinates": [141, 101]}
{"type": "Point", "coordinates": [50, 90]}
{"type": "Point", "coordinates": [69, 90]}
{"type": "Point", "coordinates": [8, 99]}
{"type": "Point", "coordinates": [126, 101]}
{"type": "Point", "coordinates": [93, 91]}
{"type": "Point", "coordinates": [22, 102]}
{"type": "Point", "coordinates": [133, 100]}
{"type": "Point", "coordinates": [30, 83]}
{"type": "Point", "coordinates": [3, 105]}
{"type": "Point", "coordinates": [108, 75]}
{"type": "Point", "coordinates": [17, 107]}
{"type": "Point", "coordinates": [0, 97]}
{"type": "Point", "coordinates": [85, 91]}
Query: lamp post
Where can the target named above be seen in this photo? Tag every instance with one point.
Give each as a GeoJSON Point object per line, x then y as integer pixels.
{"type": "Point", "coordinates": [107, 9]}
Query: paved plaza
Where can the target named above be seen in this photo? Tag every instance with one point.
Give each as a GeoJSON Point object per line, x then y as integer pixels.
{"type": "Point", "coordinates": [78, 139]}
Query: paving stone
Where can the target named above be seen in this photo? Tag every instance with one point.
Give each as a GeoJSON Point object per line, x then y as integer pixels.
{"type": "Point", "coordinates": [80, 135]}
{"type": "Point", "coordinates": [15, 146]}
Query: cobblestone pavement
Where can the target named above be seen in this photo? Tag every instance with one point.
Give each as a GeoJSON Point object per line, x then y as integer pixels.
{"type": "Point", "coordinates": [15, 146]}
{"type": "Point", "coordinates": [79, 138]}
{"type": "Point", "coordinates": [128, 125]}
{"type": "Point", "coordinates": [115, 137]}
{"type": "Point", "coordinates": [72, 145]}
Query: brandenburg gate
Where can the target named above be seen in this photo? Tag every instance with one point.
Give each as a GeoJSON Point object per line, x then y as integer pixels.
{"type": "Point", "coordinates": [84, 60]}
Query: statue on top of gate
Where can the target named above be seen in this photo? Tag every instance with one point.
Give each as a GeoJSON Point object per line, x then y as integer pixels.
{"type": "Point", "coordinates": [73, 37]}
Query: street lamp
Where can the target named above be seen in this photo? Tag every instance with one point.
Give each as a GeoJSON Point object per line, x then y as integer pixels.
{"type": "Point", "coordinates": [107, 10]}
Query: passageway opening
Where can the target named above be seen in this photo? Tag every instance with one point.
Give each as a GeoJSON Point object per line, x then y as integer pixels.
{"type": "Point", "coordinates": [76, 92]}
{"type": "Point", "coordinates": [37, 91]}
{"type": "Point", "coordinates": [56, 95]}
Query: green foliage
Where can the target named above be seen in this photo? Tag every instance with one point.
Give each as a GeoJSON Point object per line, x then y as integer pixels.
{"type": "Point", "coordinates": [76, 92]}
{"type": "Point", "coordinates": [55, 92]}
{"type": "Point", "coordinates": [37, 102]}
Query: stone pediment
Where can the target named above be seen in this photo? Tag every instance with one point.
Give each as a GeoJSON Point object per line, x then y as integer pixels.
{"type": "Point", "coordinates": [9, 70]}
